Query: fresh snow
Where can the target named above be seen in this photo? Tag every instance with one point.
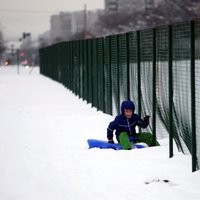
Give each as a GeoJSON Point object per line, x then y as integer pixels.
{"type": "Point", "coordinates": [44, 154]}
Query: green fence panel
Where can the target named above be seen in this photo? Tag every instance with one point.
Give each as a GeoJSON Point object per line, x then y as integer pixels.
{"type": "Point", "coordinates": [108, 78]}
{"type": "Point", "coordinates": [146, 70]}
{"type": "Point", "coordinates": [81, 66]}
{"type": "Point", "coordinates": [133, 69]}
{"type": "Point", "coordinates": [115, 75]}
{"type": "Point", "coordinates": [76, 67]}
{"type": "Point", "coordinates": [100, 69]}
{"type": "Point", "coordinates": [90, 69]}
{"type": "Point", "coordinates": [85, 70]}
{"type": "Point", "coordinates": [123, 67]}
{"type": "Point", "coordinates": [197, 91]}
{"type": "Point", "coordinates": [162, 82]}
{"type": "Point", "coordinates": [69, 72]}
{"type": "Point", "coordinates": [61, 58]}
{"type": "Point", "coordinates": [73, 61]}
{"type": "Point", "coordinates": [182, 84]}
{"type": "Point", "coordinates": [94, 74]}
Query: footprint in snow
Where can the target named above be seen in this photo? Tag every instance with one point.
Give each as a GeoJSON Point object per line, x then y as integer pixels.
{"type": "Point", "coordinates": [156, 180]}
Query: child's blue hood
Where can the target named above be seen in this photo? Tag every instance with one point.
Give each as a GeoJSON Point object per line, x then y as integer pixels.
{"type": "Point", "coordinates": [127, 105]}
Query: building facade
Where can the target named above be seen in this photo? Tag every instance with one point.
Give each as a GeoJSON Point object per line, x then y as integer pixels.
{"type": "Point", "coordinates": [60, 27]}
{"type": "Point", "coordinates": [65, 25]}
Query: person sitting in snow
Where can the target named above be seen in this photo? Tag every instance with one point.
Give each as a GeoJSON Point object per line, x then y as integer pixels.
{"type": "Point", "coordinates": [125, 124]}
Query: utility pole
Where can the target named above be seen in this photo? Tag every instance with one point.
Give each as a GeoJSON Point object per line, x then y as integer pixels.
{"type": "Point", "coordinates": [85, 21]}
{"type": "Point", "coordinates": [17, 61]}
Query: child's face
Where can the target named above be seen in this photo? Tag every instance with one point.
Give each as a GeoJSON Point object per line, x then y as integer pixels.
{"type": "Point", "coordinates": [128, 113]}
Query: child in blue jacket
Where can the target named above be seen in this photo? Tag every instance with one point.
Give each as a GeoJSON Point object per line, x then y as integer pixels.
{"type": "Point", "coordinates": [124, 125]}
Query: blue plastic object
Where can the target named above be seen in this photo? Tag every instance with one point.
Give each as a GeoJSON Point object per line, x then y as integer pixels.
{"type": "Point", "coordinates": [93, 143]}
{"type": "Point", "coordinates": [101, 144]}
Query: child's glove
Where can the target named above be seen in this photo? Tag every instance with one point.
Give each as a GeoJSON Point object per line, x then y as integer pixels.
{"type": "Point", "coordinates": [111, 141]}
{"type": "Point", "coordinates": [146, 119]}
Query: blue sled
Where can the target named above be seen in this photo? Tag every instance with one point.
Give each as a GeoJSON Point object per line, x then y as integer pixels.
{"type": "Point", "coordinates": [93, 143]}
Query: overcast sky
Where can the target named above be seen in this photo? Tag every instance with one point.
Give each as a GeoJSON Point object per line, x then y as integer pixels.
{"type": "Point", "coordinates": [18, 16]}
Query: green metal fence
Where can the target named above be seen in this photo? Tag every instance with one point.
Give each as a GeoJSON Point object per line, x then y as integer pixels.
{"type": "Point", "coordinates": [159, 69]}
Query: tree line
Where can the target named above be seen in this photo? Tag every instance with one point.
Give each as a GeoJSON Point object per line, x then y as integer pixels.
{"type": "Point", "coordinates": [167, 12]}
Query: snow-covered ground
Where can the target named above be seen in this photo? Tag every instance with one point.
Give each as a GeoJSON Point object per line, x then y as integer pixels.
{"type": "Point", "coordinates": [44, 154]}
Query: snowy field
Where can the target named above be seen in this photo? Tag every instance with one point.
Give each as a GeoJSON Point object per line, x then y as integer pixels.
{"type": "Point", "coordinates": [44, 154]}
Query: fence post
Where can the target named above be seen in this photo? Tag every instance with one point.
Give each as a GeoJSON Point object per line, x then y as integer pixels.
{"type": "Point", "coordinates": [139, 74]}
{"type": "Point", "coordinates": [110, 68]}
{"type": "Point", "coordinates": [154, 89]}
{"type": "Point", "coordinates": [18, 61]}
{"type": "Point", "coordinates": [128, 65]}
{"type": "Point", "coordinates": [193, 106]}
{"type": "Point", "coordinates": [170, 91]}
{"type": "Point", "coordinates": [118, 84]}
{"type": "Point", "coordinates": [103, 63]}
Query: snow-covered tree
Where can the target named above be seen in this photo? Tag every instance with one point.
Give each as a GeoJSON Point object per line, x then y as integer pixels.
{"type": "Point", "coordinates": [166, 12]}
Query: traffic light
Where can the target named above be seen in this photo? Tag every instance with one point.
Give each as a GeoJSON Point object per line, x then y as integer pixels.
{"type": "Point", "coordinates": [24, 35]}
{"type": "Point", "coordinates": [22, 53]}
